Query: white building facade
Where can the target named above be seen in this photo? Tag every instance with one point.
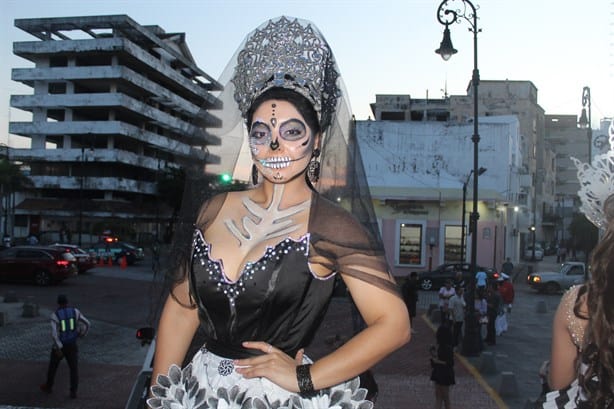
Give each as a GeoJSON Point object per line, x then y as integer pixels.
{"type": "Point", "coordinates": [416, 172]}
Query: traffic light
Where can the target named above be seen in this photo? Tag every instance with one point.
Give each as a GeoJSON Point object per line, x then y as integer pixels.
{"type": "Point", "coordinates": [225, 178]}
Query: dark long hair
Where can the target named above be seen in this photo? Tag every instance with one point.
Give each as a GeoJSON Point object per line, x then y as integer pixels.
{"type": "Point", "coordinates": [599, 351]}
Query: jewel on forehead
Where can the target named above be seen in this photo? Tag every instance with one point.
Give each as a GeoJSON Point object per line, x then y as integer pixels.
{"type": "Point", "coordinates": [273, 120]}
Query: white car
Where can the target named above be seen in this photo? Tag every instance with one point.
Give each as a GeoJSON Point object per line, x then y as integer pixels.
{"type": "Point", "coordinates": [571, 273]}
{"type": "Point", "coordinates": [539, 253]}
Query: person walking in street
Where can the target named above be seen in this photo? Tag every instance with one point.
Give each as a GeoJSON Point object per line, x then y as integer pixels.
{"type": "Point", "coordinates": [507, 267]}
{"type": "Point", "coordinates": [457, 306]}
{"type": "Point", "coordinates": [65, 330]}
{"type": "Point", "coordinates": [442, 364]}
{"type": "Point", "coordinates": [410, 296]}
{"type": "Point", "coordinates": [506, 289]}
{"type": "Point", "coordinates": [493, 306]}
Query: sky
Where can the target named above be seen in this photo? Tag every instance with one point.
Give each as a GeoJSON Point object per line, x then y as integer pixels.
{"type": "Point", "coordinates": [381, 46]}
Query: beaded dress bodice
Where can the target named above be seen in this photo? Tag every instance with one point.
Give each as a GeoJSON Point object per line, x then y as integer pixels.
{"type": "Point", "coordinates": [276, 298]}
{"type": "Point", "coordinates": [575, 325]}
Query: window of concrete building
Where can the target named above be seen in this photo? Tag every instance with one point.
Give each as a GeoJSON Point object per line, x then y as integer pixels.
{"type": "Point", "coordinates": [90, 115]}
{"type": "Point", "coordinates": [57, 88]}
{"type": "Point", "coordinates": [417, 115]}
{"type": "Point", "coordinates": [441, 116]}
{"type": "Point", "coordinates": [452, 244]}
{"type": "Point", "coordinates": [92, 87]}
{"type": "Point", "coordinates": [410, 240]}
{"type": "Point", "coordinates": [93, 60]}
{"type": "Point", "coordinates": [58, 61]}
{"type": "Point", "coordinates": [55, 115]}
{"type": "Point", "coordinates": [392, 116]}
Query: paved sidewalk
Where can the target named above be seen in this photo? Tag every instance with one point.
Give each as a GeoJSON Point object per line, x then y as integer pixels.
{"type": "Point", "coordinates": [109, 368]}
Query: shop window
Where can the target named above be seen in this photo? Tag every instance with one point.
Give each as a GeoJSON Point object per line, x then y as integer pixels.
{"type": "Point", "coordinates": [452, 244]}
{"type": "Point", "coordinates": [410, 244]}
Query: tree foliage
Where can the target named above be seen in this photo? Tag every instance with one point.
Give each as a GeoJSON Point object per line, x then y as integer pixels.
{"type": "Point", "coordinates": [12, 178]}
{"type": "Point", "coordinates": [185, 191]}
{"type": "Point", "coordinates": [584, 235]}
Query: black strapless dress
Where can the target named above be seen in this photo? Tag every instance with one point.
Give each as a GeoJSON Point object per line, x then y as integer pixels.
{"type": "Point", "coordinates": [276, 299]}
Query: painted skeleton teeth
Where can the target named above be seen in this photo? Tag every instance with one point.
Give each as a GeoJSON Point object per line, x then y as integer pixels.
{"type": "Point", "coordinates": [277, 162]}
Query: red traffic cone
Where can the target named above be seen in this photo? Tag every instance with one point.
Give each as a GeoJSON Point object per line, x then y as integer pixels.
{"type": "Point", "coordinates": [110, 262]}
{"type": "Point", "coordinates": [124, 262]}
{"type": "Point", "coordinates": [100, 261]}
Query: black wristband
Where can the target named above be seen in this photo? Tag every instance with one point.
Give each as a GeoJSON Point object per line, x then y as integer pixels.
{"type": "Point", "coordinates": [305, 385]}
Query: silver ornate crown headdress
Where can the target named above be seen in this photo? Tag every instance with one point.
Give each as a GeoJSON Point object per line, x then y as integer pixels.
{"type": "Point", "coordinates": [596, 183]}
{"type": "Point", "coordinates": [289, 54]}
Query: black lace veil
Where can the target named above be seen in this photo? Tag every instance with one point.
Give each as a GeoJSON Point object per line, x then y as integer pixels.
{"type": "Point", "coordinates": [347, 242]}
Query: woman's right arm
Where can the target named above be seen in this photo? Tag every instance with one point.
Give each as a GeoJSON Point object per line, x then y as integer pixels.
{"type": "Point", "coordinates": [563, 351]}
{"type": "Point", "coordinates": [178, 324]}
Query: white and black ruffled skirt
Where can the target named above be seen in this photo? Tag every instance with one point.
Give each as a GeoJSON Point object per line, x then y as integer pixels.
{"type": "Point", "coordinates": [210, 381]}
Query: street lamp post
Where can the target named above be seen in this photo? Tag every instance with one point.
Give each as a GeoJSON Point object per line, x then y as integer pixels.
{"type": "Point", "coordinates": [81, 177]}
{"type": "Point", "coordinates": [480, 172]}
{"type": "Point", "coordinates": [585, 121]}
{"type": "Point", "coordinates": [532, 229]}
{"type": "Point", "coordinates": [447, 15]}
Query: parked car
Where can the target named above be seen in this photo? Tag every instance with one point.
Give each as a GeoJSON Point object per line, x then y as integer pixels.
{"type": "Point", "coordinates": [435, 279]}
{"type": "Point", "coordinates": [552, 282]}
{"type": "Point", "coordinates": [116, 250]}
{"type": "Point", "coordinates": [43, 265]}
{"type": "Point", "coordinates": [539, 252]}
{"type": "Point", "coordinates": [85, 261]}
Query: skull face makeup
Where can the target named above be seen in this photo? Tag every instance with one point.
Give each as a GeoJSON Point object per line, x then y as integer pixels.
{"type": "Point", "coordinates": [281, 149]}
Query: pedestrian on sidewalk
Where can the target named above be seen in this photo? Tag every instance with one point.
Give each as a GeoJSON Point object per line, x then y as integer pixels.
{"type": "Point", "coordinates": [410, 296]}
{"type": "Point", "coordinates": [442, 364]}
{"type": "Point", "coordinates": [493, 307]}
{"type": "Point", "coordinates": [561, 253]}
{"type": "Point", "coordinates": [481, 308]}
{"type": "Point", "coordinates": [457, 306]}
{"type": "Point", "coordinates": [481, 279]}
{"type": "Point", "coordinates": [67, 325]}
{"type": "Point", "coordinates": [445, 293]}
{"type": "Point", "coordinates": [506, 290]}
{"type": "Point", "coordinates": [459, 280]}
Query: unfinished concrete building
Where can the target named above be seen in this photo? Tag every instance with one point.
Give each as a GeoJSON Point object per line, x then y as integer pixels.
{"type": "Point", "coordinates": [114, 105]}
